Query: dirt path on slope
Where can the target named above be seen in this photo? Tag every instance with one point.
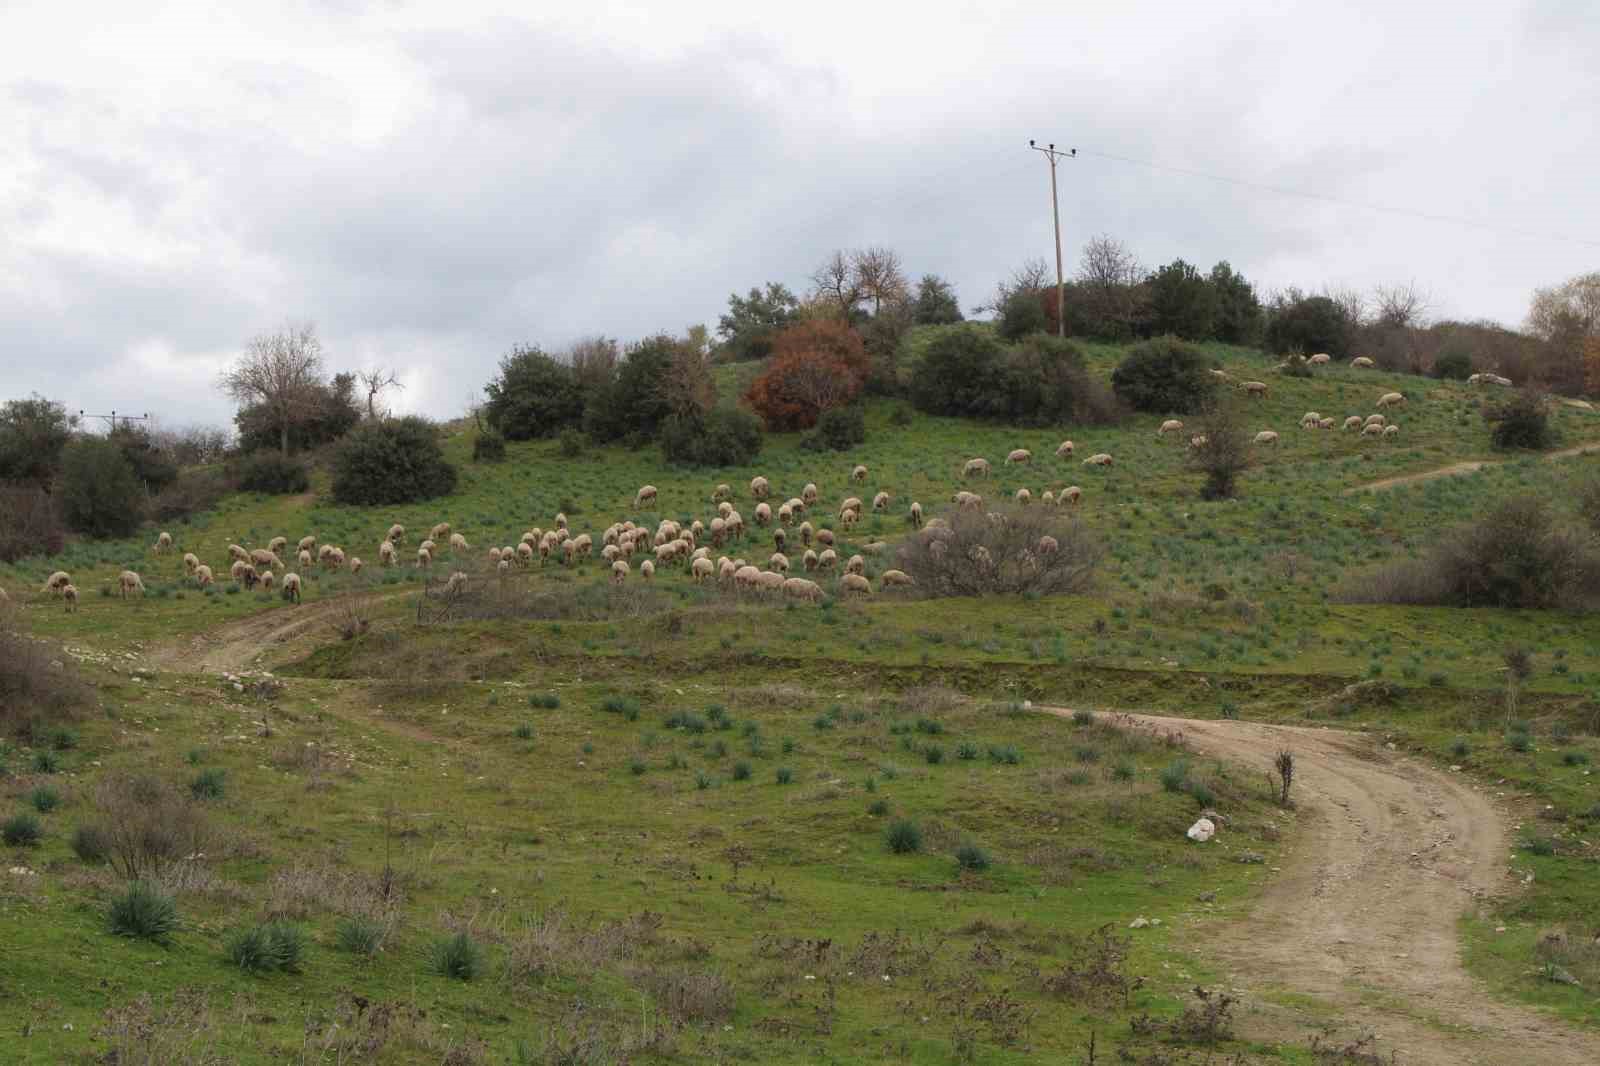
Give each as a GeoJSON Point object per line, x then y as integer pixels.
{"type": "Point", "coordinates": [1454, 469]}
{"type": "Point", "coordinates": [244, 643]}
{"type": "Point", "coordinates": [1362, 917]}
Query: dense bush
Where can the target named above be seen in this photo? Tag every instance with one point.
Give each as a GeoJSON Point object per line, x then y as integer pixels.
{"type": "Point", "coordinates": [961, 372]}
{"type": "Point", "coordinates": [1164, 376]}
{"type": "Point", "coordinates": [634, 401]}
{"type": "Point", "coordinates": [974, 555]}
{"type": "Point", "coordinates": [1182, 302]}
{"type": "Point", "coordinates": [21, 830]}
{"type": "Point", "coordinates": [903, 836]}
{"type": "Point", "coordinates": [1454, 365]}
{"type": "Point", "coordinates": [151, 463]}
{"type": "Point", "coordinates": [457, 956]}
{"type": "Point", "coordinates": [100, 494]}
{"type": "Point", "coordinates": [1040, 381]}
{"type": "Point", "coordinates": [1023, 314]}
{"type": "Point", "coordinates": [145, 913]}
{"type": "Point", "coordinates": [752, 321]}
{"type": "Point", "coordinates": [273, 473]}
{"type": "Point", "coordinates": [194, 491]}
{"type": "Point", "coordinates": [1518, 555]}
{"type": "Point", "coordinates": [488, 447]}
{"type": "Point", "coordinates": [935, 303]}
{"type": "Point", "coordinates": [838, 429]}
{"type": "Point", "coordinates": [1310, 324]}
{"type": "Point", "coordinates": [146, 824]}
{"type": "Point", "coordinates": [721, 437]}
{"type": "Point", "coordinates": [1521, 421]}
{"type": "Point", "coordinates": [533, 396]}
{"type": "Point", "coordinates": [397, 461]}
{"type": "Point", "coordinates": [816, 365]}
{"type": "Point", "coordinates": [33, 433]}
{"type": "Point", "coordinates": [30, 523]}
{"type": "Point", "coordinates": [329, 413]}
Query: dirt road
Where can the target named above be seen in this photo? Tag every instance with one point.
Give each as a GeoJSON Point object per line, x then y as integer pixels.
{"type": "Point", "coordinates": [1362, 917]}
{"type": "Point", "coordinates": [251, 641]}
{"type": "Point", "coordinates": [1461, 468]}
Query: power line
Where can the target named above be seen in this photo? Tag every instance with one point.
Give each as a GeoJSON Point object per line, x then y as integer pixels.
{"type": "Point", "coordinates": [1054, 156]}
{"type": "Point", "coordinates": [1428, 216]}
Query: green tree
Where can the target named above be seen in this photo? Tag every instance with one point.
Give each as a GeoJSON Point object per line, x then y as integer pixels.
{"type": "Point", "coordinates": [1022, 314]}
{"type": "Point", "coordinates": [752, 321]}
{"type": "Point", "coordinates": [1182, 302]}
{"type": "Point", "coordinates": [100, 493]}
{"type": "Point", "coordinates": [1309, 325]}
{"type": "Point", "coordinates": [152, 465]}
{"type": "Point", "coordinates": [1238, 316]}
{"type": "Point", "coordinates": [534, 396]}
{"type": "Point", "coordinates": [636, 400]}
{"type": "Point", "coordinates": [32, 434]}
{"type": "Point", "coordinates": [936, 303]}
{"type": "Point", "coordinates": [396, 461]}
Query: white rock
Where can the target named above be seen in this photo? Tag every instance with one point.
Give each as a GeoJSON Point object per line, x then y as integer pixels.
{"type": "Point", "coordinates": [1202, 831]}
{"type": "Point", "coordinates": [1139, 923]}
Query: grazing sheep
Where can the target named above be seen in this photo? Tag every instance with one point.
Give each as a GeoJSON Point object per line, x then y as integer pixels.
{"type": "Point", "coordinates": [785, 514]}
{"type": "Point", "coordinates": [163, 543]}
{"type": "Point", "coordinates": [915, 514]}
{"type": "Point", "coordinates": [974, 467]}
{"type": "Point", "coordinates": [69, 593]}
{"type": "Point", "coordinates": [247, 575]}
{"type": "Point", "coordinates": [780, 539]}
{"type": "Point", "coordinates": [806, 533]}
{"type": "Point", "coordinates": [724, 509]}
{"type": "Point", "coordinates": [1048, 545]}
{"type": "Point", "coordinates": [1221, 375]}
{"type": "Point", "coordinates": [236, 571]}
{"type": "Point", "coordinates": [277, 545]}
{"type": "Point", "coordinates": [267, 580]}
{"type": "Point", "coordinates": [853, 503]}
{"type": "Point", "coordinates": [428, 546]}
{"type": "Point", "coordinates": [894, 577]}
{"type": "Point", "coordinates": [828, 559]}
{"type": "Point", "coordinates": [561, 520]}
{"type": "Point", "coordinates": [854, 585]}
{"type": "Point", "coordinates": [859, 473]}
{"type": "Point", "coordinates": [809, 560]}
{"type": "Point", "coordinates": [809, 494]}
{"type": "Point", "coordinates": [967, 501]}
{"type": "Point", "coordinates": [763, 514]}
{"type": "Point", "coordinates": [1320, 359]}
{"type": "Point", "coordinates": [458, 543]}
{"type": "Point", "coordinates": [825, 537]}
{"type": "Point", "coordinates": [1171, 425]}
{"type": "Point", "coordinates": [760, 488]}
{"type": "Point", "coordinates": [721, 492]}
{"type": "Point", "coordinates": [1254, 388]}
{"type": "Point", "coordinates": [494, 554]}
{"type": "Point", "coordinates": [1310, 419]}
{"type": "Point", "coordinates": [610, 552]}
{"type": "Point", "coordinates": [457, 583]}
{"type": "Point", "coordinates": [190, 561]}
{"type": "Point", "coordinates": [55, 582]}
{"type": "Point", "coordinates": [309, 542]}
{"type": "Point", "coordinates": [1392, 399]}
{"type": "Point", "coordinates": [619, 572]}
{"type": "Point", "coordinates": [770, 581]}
{"type": "Point", "coordinates": [1098, 459]}
{"type": "Point", "coordinates": [356, 564]}
{"type": "Point", "coordinates": [385, 553]}
{"type": "Point", "coordinates": [726, 569]}
{"type": "Point", "coordinates": [236, 552]}
{"type": "Point", "coordinates": [647, 570]}
{"type": "Point", "coordinates": [849, 518]}
{"type": "Point", "coordinates": [127, 582]}
{"type": "Point", "coordinates": [1496, 379]}
{"type": "Point", "coordinates": [334, 560]}
{"type": "Point", "coordinates": [1374, 420]}
{"type": "Point", "coordinates": [263, 557]}
{"type": "Point", "coordinates": [746, 576]}
{"type": "Point", "coordinates": [646, 494]}
{"type": "Point", "coordinates": [856, 565]}
{"type": "Point", "coordinates": [1361, 362]}
{"type": "Point", "coordinates": [202, 576]}
{"type": "Point", "coordinates": [424, 558]}
{"type": "Point", "coordinates": [1047, 498]}
{"type": "Point", "coordinates": [880, 502]}
{"type": "Point", "coordinates": [1064, 449]}
{"type": "Point", "coordinates": [1353, 422]}
{"type": "Point", "coordinates": [1197, 442]}
{"type": "Point", "coordinates": [1023, 497]}
{"type": "Point", "coordinates": [799, 588]}
{"type": "Point", "coordinates": [440, 531]}
{"type": "Point", "coordinates": [291, 587]}
{"type": "Point", "coordinates": [1391, 431]}
{"type": "Point", "coordinates": [1072, 494]}
{"type": "Point", "coordinates": [1372, 429]}
{"type": "Point", "coordinates": [1019, 455]}
{"type": "Point", "coordinates": [1326, 423]}
{"type": "Point", "coordinates": [703, 568]}
{"type": "Point", "coordinates": [779, 562]}
{"type": "Point", "coordinates": [1267, 436]}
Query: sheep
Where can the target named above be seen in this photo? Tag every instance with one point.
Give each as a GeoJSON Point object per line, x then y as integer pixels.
{"type": "Point", "coordinates": [163, 543]}
{"type": "Point", "coordinates": [1197, 442]}
{"type": "Point", "coordinates": [1353, 422]}
{"type": "Point", "coordinates": [809, 560]}
{"type": "Point", "coordinates": [334, 560]}
{"type": "Point", "coordinates": [825, 537]}
{"type": "Point", "coordinates": [894, 577]}
{"type": "Point", "coordinates": [1320, 359]}
{"type": "Point", "coordinates": [385, 553]}
{"type": "Point", "coordinates": [1496, 379]}
{"type": "Point", "coordinates": [856, 565]}
{"type": "Point", "coordinates": [1267, 436]}
{"type": "Point", "coordinates": [1374, 420]}
{"type": "Point", "coordinates": [760, 488]}
{"type": "Point", "coordinates": [785, 514]}
{"type": "Point", "coordinates": [1254, 388]}
{"type": "Point", "coordinates": [278, 545]}
{"type": "Point", "coordinates": [267, 580]}
{"type": "Point", "coordinates": [701, 568]}
{"type": "Point", "coordinates": [1391, 399]}
{"type": "Point", "coordinates": [806, 533]}
{"type": "Point", "coordinates": [770, 581]}
{"type": "Point", "coordinates": [619, 572]}
{"type": "Point", "coordinates": [875, 547]}
{"type": "Point", "coordinates": [247, 575]}
{"type": "Point", "coordinates": [291, 587]}
{"type": "Point", "coordinates": [456, 584]}
{"type": "Point", "coordinates": [1391, 431]}
{"type": "Point", "coordinates": [585, 545]}
{"type": "Point", "coordinates": [458, 543]}
{"type": "Point", "coordinates": [855, 584]}
{"type": "Point", "coordinates": [428, 546]}
{"type": "Point", "coordinates": [441, 531]}
{"type": "Point", "coordinates": [880, 502]}
{"type": "Point", "coordinates": [1071, 494]}
{"type": "Point", "coordinates": [1309, 419]}
{"type": "Point", "coordinates": [356, 564]}
{"type": "Point", "coordinates": [202, 576]}
{"type": "Point", "coordinates": [726, 569]}
{"type": "Point", "coordinates": [975, 467]}
{"type": "Point", "coordinates": [1048, 545]}
{"type": "Point", "coordinates": [763, 514]}
{"type": "Point", "coordinates": [1325, 423]}
{"type": "Point", "coordinates": [724, 509]}
{"type": "Point", "coordinates": [967, 501]}
{"type": "Point", "coordinates": [1064, 450]}
{"type": "Point", "coordinates": [1220, 375]}
{"type": "Point", "coordinates": [1047, 498]}
{"type": "Point", "coordinates": [646, 494]}
{"type": "Point", "coordinates": [236, 552]}
{"type": "Point", "coordinates": [721, 492]}
{"type": "Point", "coordinates": [56, 581]}
{"type": "Point", "coordinates": [780, 539]}
{"type": "Point", "coordinates": [859, 473]}
{"type": "Point", "coordinates": [1171, 425]}
{"type": "Point", "coordinates": [1023, 497]}
{"type": "Point", "coordinates": [746, 576]}
{"type": "Point", "coordinates": [236, 571]}
{"type": "Point", "coordinates": [800, 589]}
{"type": "Point", "coordinates": [809, 494]}
{"type": "Point", "coordinates": [1019, 455]}
{"type": "Point", "coordinates": [1372, 429]}
{"type": "Point", "coordinates": [190, 561]}
{"type": "Point", "coordinates": [561, 520]}
{"type": "Point", "coordinates": [309, 542]}
{"type": "Point", "coordinates": [647, 570]}
{"type": "Point", "coordinates": [263, 557]}
{"type": "Point", "coordinates": [1361, 362]}
{"type": "Point", "coordinates": [1098, 459]}
{"type": "Point", "coordinates": [915, 514]}
{"type": "Point", "coordinates": [828, 559]}
{"type": "Point", "coordinates": [424, 558]}
{"type": "Point", "coordinates": [779, 562]}
{"type": "Point", "coordinates": [849, 518]}
{"type": "Point", "coordinates": [69, 594]}
{"type": "Point", "coordinates": [853, 503]}
{"type": "Point", "coordinates": [502, 568]}
{"type": "Point", "coordinates": [127, 582]}
{"type": "Point", "coordinates": [494, 554]}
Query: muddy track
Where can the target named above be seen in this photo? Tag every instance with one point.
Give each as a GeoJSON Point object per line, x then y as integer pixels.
{"type": "Point", "coordinates": [254, 640]}
{"type": "Point", "coordinates": [1362, 918]}
{"type": "Point", "coordinates": [1455, 469]}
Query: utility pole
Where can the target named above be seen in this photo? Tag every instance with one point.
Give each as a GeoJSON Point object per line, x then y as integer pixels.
{"type": "Point", "coordinates": [114, 418]}
{"type": "Point", "coordinates": [1052, 154]}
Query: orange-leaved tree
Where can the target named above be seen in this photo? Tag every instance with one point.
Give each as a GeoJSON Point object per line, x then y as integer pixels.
{"type": "Point", "coordinates": [815, 365]}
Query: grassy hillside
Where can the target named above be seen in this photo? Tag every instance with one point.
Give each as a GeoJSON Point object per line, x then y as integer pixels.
{"type": "Point", "coordinates": [663, 814]}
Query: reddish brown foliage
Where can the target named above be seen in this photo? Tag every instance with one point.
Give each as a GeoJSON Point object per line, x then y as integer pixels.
{"type": "Point", "coordinates": [816, 365]}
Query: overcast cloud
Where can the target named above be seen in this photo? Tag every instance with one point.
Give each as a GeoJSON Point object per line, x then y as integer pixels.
{"type": "Point", "coordinates": [432, 184]}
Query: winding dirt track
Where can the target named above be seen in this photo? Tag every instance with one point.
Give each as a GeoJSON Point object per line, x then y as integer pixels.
{"type": "Point", "coordinates": [238, 645]}
{"type": "Point", "coordinates": [1362, 918]}
{"type": "Point", "coordinates": [1454, 469]}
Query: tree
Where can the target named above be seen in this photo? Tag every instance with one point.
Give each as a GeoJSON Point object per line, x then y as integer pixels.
{"type": "Point", "coordinates": [838, 284]}
{"type": "Point", "coordinates": [534, 396]}
{"type": "Point", "coordinates": [390, 462]}
{"type": "Point", "coordinates": [1107, 263]}
{"type": "Point", "coordinates": [880, 276]}
{"type": "Point", "coordinates": [329, 411]}
{"type": "Point", "coordinates": [153, 466]}
{"type": "Point", "coordinates": [100, 494]}
{"type": "Point", "coordinates": [32, 434]}
{"type": "Point", "coordinates": [721, 437]}
{"type": "Point", "coordinates": [1182, 302]}
{"type": "Point", "coordinates": [1023, 314]}
{"type": "Point", "coordinates": [277, 371]}
{"type": "Point", "coordinates": [752, 321]}
{"type": "Point", "coordinates": [1223, 449]}
{"type": "Point", "coordinates": [377, 381]}
{"type": "Point", "coordinates": [1309, 325]}
{"type": "Point", "coordinates": [1108, 297]}
{"type": "Point", "coordinates": [1522, 421]}
{"type": "Point", "coordinates": [1164, 376]}
{"type": "Point", "coordinates": [1400, 306]}
{"type": "Point", "coordinates": [1030, 277]}
{"type": "Point", "coordinates": [962, 373]}
{"type": "Point", "coordinates": [935, 303]}
{"type": "Point", "coordinates": [594, 362]}
{"type": "Point", "coordinates": [689, 390]}
{"type": "Point", "coordinates": [816, 365]}
{"type": "Point", "coordinates": [1238, 318]}
{"type": "Point", "coordinates": [1567, 319]}
{"type": "Point", "coordinates": [635, 401]}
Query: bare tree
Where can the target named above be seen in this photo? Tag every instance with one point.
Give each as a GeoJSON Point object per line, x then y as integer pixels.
{"type": "Point", "coordinates": [1570, 308]}
{"type": "Point", "coordinates": [594, 360]}
{"type": "Point", "coordinates": [1107, 263]}
{"type": "Point", "coordinates": [880, 276]}
{"type": "Point", "coordinates": [1032, 276]}
{"type": "Point", "coordinates": [836, 283]}
{"type": "Point", "coordinates": [376, 381]}
{"type": "Point", "coordinates": [278, 371]}
{"type": "Point", "coordinates": [1220, 449]}
{"type": "Point", "coordinates": [688, 387]}
{"type": "Point", "coordinates": [1352, 301]}
{"type": "Point", "coordinates": [1402, 305]}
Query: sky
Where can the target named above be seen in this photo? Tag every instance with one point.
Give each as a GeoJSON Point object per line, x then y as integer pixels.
{"type": "Point", "coordinates": [432, 184]}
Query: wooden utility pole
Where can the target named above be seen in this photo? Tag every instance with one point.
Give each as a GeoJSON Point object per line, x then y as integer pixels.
{"type": "Point", "coordinates": [1052, 154]}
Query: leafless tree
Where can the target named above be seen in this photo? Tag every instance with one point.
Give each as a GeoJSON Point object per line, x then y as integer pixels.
{"type": "Point", "coordinates": [1107, 263]}
{"type": "Point", "coordinates": [880, 276]}
{"type": "Point", "coordinates": [278, 371]}
{"type": "Point", "coordinates": [376, 381]}
{"type": "Point", "coordinates": [1031, 549]}
{"type": "Point", "coordinates": [1570, 308]}
{"type": "Point", "coordinates": [1402, 305]}
{"type": "Point", "coordinates": [688, 387]}
{"type": "Point", "coordinates": [837, 284]}
{"type": "Point", "coordinates": [1220, 448]}
{"type": "Point", "coordinates": [594, 360]}
{"type": "Point", "coordinates": [1352, 301]}
{"type": "Point", "coordinates": [1032, 276]}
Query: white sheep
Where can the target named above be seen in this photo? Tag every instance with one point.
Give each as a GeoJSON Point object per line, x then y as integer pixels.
{"type": "Point", "coordinates": [1254, 388]}
{"type": "Point", "coordinates": [561, 520]}
{"type": "Point", "coordinates": [726, 569]}
{"type": "Point", "coordinates": [278, 545]}
{"type": "Point", "coordinates": [856, 565]}
{"type": "Point", "coordinates": [1372, 429]}
{"type": "Point", "coordinates": [915, 514]}
{"type": "Point", "coordinates": [855, 584]}
{"type": "Point", "coordinates": [1320, 359]}
{"type": "Point", "coordinates": [825, 537]}
{"type": "Point", "coordinates": [1391, 399]}
{"type": "Point", "coordinates": [291, 587]}
{"type": "Point", "coordinates": [800, 589]}
{"type": "Point", "coordinates": [334, 559]}
{"type": "Point", "coordinates": [1221, 375]}
{"type": "Point", "coordinates": [806, 533]}
{"type": "Point", "coordinates": [428, 546]}
{"type": "Point", "coordinates": [1023, 497]}
{"type": "Point", "coordinates": [309, 542]}
{"type": "Point", "coordinates": [503, 567]}
{"type": "Point", "coordinates": [163, 543]}
{"type": "Point", "coordinates": [356, 564]}
{"type": "Point", "coordinates": [1197, 442]}
{"type": "Point", "coordinates": [702, 568]}
{"type": "Point", "coordinates": [894, 577]}
{"type": "Point", "coordinates": [1048, 545]}
{"type": "Point", "coordinates": [780, 539]}
{"type": "Point", "coordinates": [646, 494]}
{"type": "Point", "coordinates": [424, 558]}
{"type": "Point", "coordinates": [190, 561]}
{"type": "Point", "coordinates": [1374, 420]}
{"type": "Point", "coordinates": [127, 582]}
{"type": "Point", "coordinates": [264, 557]}
{"type": "Point", "coordinates": [1325, 423]}
{"type": "Point", "coordinates": [1171, 425]}
{"type": "Point", "coordinates": [828, 559]}
{"type": "Point", "coordinates": [1361, 362]}
{"type": "Point", "coordinates": [236, 552]}
{"type": "Point", "coordinates": [619, 572]}
{"type": "Point", "coordinates": [763, 514]}
{"type": "Point", "coordinates": [385, 553]}
{"type": "Point", "coordinates": [770, 581]}
{"type": "Point", "coordinates": [1072, 494]}
{"type": "Point", "coordinates": [458, 543]}
{"type": "Point", "coordinates": [267, 580]}
{"type": "Point", "coordinates": [809, 494]}
{"type": "Point", "coordinates": [880, 502]}
{"type": "Point", "coordinates": [1064, 449]}
{"type": "Point", "coordinates": [55, 582]}
{"type": "Point", "coordinates": [69, 593]}
{"type": "Point", "coordinates": [859, 473]}
{"type": "Point", "coordinates": [967, 501]}
{"type": "Point", "coordinates": [647, 570]}
{"type": "Point", "coordinates": [1267, 436]}
{"type": "Point", "coordinates": [1098, 459]}
{"type": "Point", "coordinates": [1019, 455]}
{"type": "Point", "coordinates": [202, 576]}
{"type": "Point", "coordinates": [1391, 431]}
{"type": "Point", "coordinates": [746, 576]}
{"type": "Point", "coordinates": [809, 560]}
{"type": "Point", "coordinates": [440, 531]}
{"type": "Point", "coordinates": [1353, 422]}
{"type": "Point", "coordinates": [721, 492]}
{"type": "Point", "coordinates": [760, 488]}
{"type": "Point", "coordinates": [785, 514]}
{"type": "Point", "coordinates": [1310, 419]}
{"type": "Point", "coordinates": [779, 562]}
{"type": "Point", "coordinates": [975, 467]}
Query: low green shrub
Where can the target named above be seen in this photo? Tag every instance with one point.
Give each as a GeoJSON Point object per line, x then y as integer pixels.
{"type": "Point", "coordinates": [904, 837]}
{"type": "Point", "coordinates": [143, 912]}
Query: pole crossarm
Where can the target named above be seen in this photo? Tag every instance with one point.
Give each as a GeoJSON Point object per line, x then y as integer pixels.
{"type": "Point", "coordinates": [1052, 153]}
